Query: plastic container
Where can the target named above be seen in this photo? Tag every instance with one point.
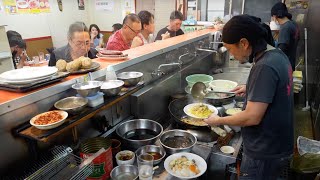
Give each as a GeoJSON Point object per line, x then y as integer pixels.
{"type": "Point", "coordinates": [192, 79]}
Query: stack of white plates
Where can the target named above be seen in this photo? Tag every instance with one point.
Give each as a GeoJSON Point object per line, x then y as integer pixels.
{"type": "Point", "coordinates": [28, 75]}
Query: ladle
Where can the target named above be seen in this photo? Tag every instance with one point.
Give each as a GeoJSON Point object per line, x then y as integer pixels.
{"type": "Point", "coordinates": [199, 91]}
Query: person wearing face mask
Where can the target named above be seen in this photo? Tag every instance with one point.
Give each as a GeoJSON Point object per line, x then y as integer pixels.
{"type": "Point", "coordinates": [147, 23]}
{"type": "Point", "coordinates": [289, 34]}
{"type": "Point", "coordinates": [267, 116]}
{"type": "Point", "coordinates": [78, 45]}
{"type": "Point", "coordinates": [173, 29]}
{"type": "Point", "coordinates": [95, 36]}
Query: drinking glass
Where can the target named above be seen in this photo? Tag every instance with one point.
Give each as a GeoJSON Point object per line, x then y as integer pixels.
{"type": "Point", "coordinates": [41, 56]}
{"type": "Point", "coordinates": [35, 60]}
{"type": "Point", "coordinates": [145, 166]}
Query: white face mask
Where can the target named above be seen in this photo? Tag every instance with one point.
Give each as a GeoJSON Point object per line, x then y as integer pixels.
{"type": "Point", "coordinates": [275, 20]}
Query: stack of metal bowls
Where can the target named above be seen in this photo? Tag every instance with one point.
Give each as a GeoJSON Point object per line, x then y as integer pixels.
{"type": "Point", "coordinates": [112, 87]}
{"type": "Point", "coordinates": [130, 78]}
{"type": "Point", "coordinates": [71, 105]}
{"type": "Point", "coordinates": [89, 88]}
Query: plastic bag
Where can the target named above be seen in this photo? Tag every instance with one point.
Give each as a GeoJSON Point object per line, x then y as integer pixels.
{"type": "Point", "coordinates": [306, 145]}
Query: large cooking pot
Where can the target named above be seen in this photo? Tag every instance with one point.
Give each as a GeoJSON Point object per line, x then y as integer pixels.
{"type": "Point", "coordinates": [139, 132]}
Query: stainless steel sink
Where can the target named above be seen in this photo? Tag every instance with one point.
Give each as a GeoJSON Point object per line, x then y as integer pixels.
{"type": "Point", "coordinates": [236, 70]}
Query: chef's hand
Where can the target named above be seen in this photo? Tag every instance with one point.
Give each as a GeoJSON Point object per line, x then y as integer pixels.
{"type": "Point", "coordinates": [212, 120]}
{"type": "Point", "coordinates": [240, 90]}
{"type": "Point", "coordinates": [165, 35]}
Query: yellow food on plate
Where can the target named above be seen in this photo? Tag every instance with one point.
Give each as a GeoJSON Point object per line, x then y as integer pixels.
{"type": "Point", "coordinates": [85, 62]}
{"type": "Point", "coordinates": [184, 167]}
{"type": "Point", "coordinates": [200, 111]}
{"type": "Point", "coordinates": [61, 65]}
{"type": "Point", "coordinates": [194, 121]}
{"type": "Point", "coordinates": [72, 66]}
{"type": "Point", "coordinates": [77, 63]}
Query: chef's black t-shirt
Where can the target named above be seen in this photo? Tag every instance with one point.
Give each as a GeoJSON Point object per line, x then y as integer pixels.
{"type": "Point", "coordinates": [172, 33]}
{"type": "Point", "coordinates": [270, 81]}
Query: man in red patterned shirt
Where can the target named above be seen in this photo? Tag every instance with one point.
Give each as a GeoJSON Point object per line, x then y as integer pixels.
{"type": "Point", "coordinates": [121, 40]}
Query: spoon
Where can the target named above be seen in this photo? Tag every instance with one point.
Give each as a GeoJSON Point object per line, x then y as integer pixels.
{"type": "Point", "coordinates": [199, 91]}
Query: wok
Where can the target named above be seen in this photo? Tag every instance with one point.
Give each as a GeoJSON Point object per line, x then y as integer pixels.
{"type": "Point", "coordinates": [203, 133]}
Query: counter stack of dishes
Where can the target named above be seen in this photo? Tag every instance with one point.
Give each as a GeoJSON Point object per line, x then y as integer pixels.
{"type": "Point", "coordinates": [28, 75]}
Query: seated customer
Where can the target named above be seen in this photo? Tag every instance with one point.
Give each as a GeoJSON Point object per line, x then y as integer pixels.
{"type": "Point", "coordinates": [147, 23]}
{"type": "Point", "coordinates": [122, 39]}
{"type": "Point", "coordinates": [18, 49]}
{"type": "Point", "coordinates": [78, 45]}
{"type": "Point", "coordinates": [95, 36]}
{"type": "Point", "coordinates": [173, 29]}
{"type": "Point", "coordinates": [116, 27]}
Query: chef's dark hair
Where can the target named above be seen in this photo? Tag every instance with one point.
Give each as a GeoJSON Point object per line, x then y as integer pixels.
{"type": "Point", "coordinates": [130, 18]}
{"type": "Point", "coordinates": [11, 34]}
{"type": "Point", "coordinates": [242, 26]}
{"type": "Point", "coordinates": [176, 15]}
{"type": "Point", "coordinates": [17, 41]}
{"type": "Point", "coordinates": [76, 27]}
{"type": "Point", "coordinates": [145, 17]}
{"type": "Point", "coordinates": [280, 11]}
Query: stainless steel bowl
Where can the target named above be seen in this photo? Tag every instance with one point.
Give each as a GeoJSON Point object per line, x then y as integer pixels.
{"type": "Point", "coordinates": [130, 78]}
{"type": "Point", "coordinates": [139, 132]}
{"type": "Point", "coordinates": [88, 88]}
{"type": "Point", "coordinates": [128, 172]}
{"type": "Point", "coordinates": [177, 133]}
{"type": "Point", "coordinates": [112, 87]}
{"type": "Point", "coordinates": [71, 104]}
{"type": "Point", "coordinates": [150, 149]}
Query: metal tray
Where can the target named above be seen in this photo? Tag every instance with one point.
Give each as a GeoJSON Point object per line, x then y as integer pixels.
{"type": "Point", "coordinates": [27, 87]}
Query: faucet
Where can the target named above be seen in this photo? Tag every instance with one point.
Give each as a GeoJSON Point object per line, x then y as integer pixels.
{"type": "Point", "coordinates": [220, 50]}
{"type": "Point", "coordinates": [158, 72]}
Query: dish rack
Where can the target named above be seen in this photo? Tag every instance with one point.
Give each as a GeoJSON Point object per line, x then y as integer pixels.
{"type": "Point", "coordinates": [64, 165]}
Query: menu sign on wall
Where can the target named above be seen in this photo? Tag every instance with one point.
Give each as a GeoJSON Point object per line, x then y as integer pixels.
{"type": "Point", "coordinates": [104, 5]}
{"type": "Point", "coordinates": [26, 6]}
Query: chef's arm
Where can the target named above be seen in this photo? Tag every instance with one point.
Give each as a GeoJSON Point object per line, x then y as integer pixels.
{"type": "Point", "coordinates": [251, 116]}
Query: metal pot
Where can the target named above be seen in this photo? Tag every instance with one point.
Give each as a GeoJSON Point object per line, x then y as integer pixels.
{"type": "Point", "coordinates": [139, 132]}
{"type": "Point", "coordinates": [150, 149]}
{"type": "Point", "coordinates": [177, 133]}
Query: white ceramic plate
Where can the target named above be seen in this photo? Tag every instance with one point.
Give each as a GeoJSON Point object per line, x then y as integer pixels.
{"type": "Point", "coordinates": [222, 85]}
{"type": "Point", "coordinates": [187, 108]}
{"type": "Point", "coordinates": [28, 73]}
{"type": "Point", "coordinates": [28, 81]}
{"type": "Point", "coordinates": [200, 162]}
{"type": "Point", "coordinates": [64, 115]}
